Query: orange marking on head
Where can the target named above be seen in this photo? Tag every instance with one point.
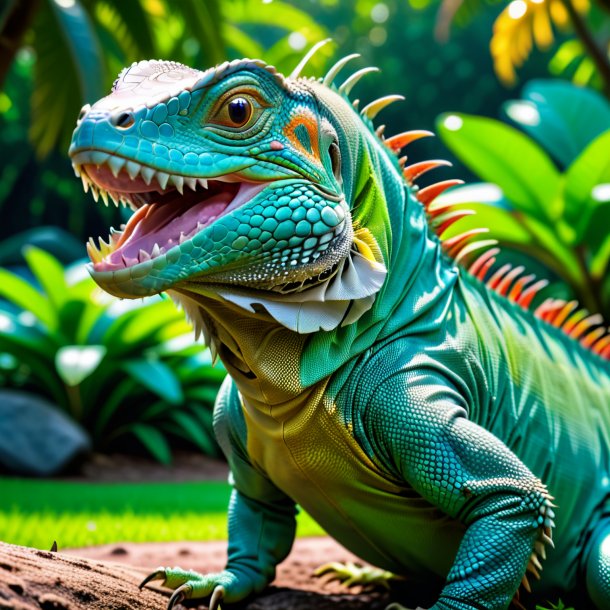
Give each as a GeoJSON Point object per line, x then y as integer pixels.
{"type": "Point", "coordinates": [306, 118]}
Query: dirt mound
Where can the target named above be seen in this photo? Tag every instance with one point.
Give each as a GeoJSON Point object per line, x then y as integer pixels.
{"type": "Point", "coordinates": [106, 578]}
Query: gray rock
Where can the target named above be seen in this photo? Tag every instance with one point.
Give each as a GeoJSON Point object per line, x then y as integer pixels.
{"type": "Point", "coordinates": [36, 438]}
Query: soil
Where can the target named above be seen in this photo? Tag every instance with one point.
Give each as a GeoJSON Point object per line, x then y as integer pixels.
{"type": "Point", "coordinates": [120, 468]}
{"type": "Point", "coordinates": [107, 578]}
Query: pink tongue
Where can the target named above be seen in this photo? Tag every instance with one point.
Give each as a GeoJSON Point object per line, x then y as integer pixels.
{"type": "Point", "coordinates": [163, 226]}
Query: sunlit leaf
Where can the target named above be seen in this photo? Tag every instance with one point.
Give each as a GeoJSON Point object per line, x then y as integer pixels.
{"type": "Point", "coordinates": [563, 118]}
{"type": "Point", "coordinates": [76, 362]}
{"type": "Point", "coordinates": [521, 24]}
{"type": "Point", "coordinates": [590, 169]}
{"type": "Point", "coordinates": [24, 295]}
{"type": "Point", "coordinates": [597, 241]}
{"type": "Point", "coordinates": [48, 272]}
{"type": "Point", "coordinates": [502, 155]}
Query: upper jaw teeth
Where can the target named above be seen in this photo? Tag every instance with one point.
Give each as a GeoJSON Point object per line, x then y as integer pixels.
{"type": "Point", "coordinates": [133, 169]}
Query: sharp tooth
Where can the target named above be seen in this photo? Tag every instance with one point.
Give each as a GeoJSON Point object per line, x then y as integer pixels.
{"type": "Point", "coordinates": [94, 254]}
{"type": "Point", "coordinates": [133, 168]}
{"type": "Point", "coordinates": [98, 157]}
{"type": "Point", "coordinates": [199, 226]}
{"type": "Point", "coordinates": [95, 193]}
{"type": "Point", "coordinates": [148, 174]}
{"type": "Point", "coordinates": [191, 183]}
{"type": "Point", "coordinates": [155, 251]}
{"type": "Point", "coordinates": [76, 170]}
{"type": "Point", "coordinates": [104, 195]}
{"type": "Point", "coordinates": [114, 236]}
{"type": "Point", "coordinates": [85, 183]}
{"type": "Point", "coordinates": [129, 261]}
{"type": "Point", "coordinates": [105, 249]}
{"type": "Point", "coordinates": [203, 182]}
{"type": "Point", "coordinates": [114, 197]}
{"type": "Point", "coordinates": [178, 183]}
{"type": "Point", "coordinates": [144, 256]}
{"type": "Point", "coordinates": [162, 179]}
{"type": "Point", "coordinates": [182, 238]}
{"type": "Point", "coordinates": [116, 164]}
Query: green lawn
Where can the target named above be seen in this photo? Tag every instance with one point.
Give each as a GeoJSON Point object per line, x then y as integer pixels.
{"type": "Point", "coordinates": [35, 513]}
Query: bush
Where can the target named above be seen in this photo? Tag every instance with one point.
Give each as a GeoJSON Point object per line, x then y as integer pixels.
{"type": "Point", "coordinates": [547, 196]}
{"type": "Point", "coordinates": [124, 370]}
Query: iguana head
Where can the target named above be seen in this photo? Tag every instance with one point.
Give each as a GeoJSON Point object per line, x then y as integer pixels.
{"type": "Point", "coordinates": [243, 185]}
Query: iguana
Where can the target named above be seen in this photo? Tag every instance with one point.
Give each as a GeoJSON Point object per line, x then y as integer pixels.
{"type": "Point", "coordinates": [396, 386]}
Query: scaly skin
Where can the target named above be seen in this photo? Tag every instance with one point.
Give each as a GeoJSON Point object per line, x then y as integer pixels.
{"type": "Point", "coordinates": [419, 417]}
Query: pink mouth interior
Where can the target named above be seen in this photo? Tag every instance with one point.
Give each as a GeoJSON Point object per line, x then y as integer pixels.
{"type": "Point", "coordinates": [168, 218]}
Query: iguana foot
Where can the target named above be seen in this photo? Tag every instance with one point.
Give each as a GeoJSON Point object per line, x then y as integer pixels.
{"type": "Point", "coordinates": [189, 584]}
{"type": "Point", "coordinates": [351, 575]}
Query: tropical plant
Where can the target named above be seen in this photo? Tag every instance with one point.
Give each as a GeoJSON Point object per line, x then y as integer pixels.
{"type": "Point", "coordinates": [525, 24]}
{"type": "Point", "coordinates": [126, 372]}
{"type": "Point", "coordinates": [67, 38]}
{"type": "Point", "coordinates": [556, 212]}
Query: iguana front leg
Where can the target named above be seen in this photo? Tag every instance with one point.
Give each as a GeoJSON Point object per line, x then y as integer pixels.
{"type": "Point", "coordinates": [261, 523]}
{"type": "Point", "coordinates": [260, 536]}
{"type": "Point", "coordinates": [420, 424]}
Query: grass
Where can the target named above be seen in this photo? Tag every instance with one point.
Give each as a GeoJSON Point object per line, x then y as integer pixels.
{"type": "Point", "coordinates": [36, 512]}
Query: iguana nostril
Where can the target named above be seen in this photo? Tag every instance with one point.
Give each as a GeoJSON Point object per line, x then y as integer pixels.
{"type": "Point", "coordinates": [124, 120]}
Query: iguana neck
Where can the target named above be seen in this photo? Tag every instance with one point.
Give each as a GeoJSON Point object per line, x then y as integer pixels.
{"type": "Point", "coordinates": [262, 357]}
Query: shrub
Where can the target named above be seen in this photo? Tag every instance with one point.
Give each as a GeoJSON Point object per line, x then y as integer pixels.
{"type": "Point", "coordinates": [126, 371]}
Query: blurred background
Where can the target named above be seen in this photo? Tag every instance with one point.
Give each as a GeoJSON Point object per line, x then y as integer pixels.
{"type": "Point", "coordinates": [98, 391]}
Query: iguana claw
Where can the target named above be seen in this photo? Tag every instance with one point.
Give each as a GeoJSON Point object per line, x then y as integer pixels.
{"type": "Point", "coordinates": [217, 596]}
{"type": "Point", "coordinates": [351, 574]}
{"type": "Point", "coordinates": [178, 596]}
{"type": "Point", "coordinates": [158, 574]}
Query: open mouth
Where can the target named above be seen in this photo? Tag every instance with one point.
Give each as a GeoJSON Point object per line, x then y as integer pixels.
{"type": "Point", "coordinates": [168, 209]}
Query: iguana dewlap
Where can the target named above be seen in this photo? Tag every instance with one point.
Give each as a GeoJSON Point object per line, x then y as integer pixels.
{"type": "Point", "coordinates": [424, 419]}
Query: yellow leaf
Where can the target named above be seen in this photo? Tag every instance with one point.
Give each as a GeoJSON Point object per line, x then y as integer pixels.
{"type": "Point", "coordinates": [522, 24]}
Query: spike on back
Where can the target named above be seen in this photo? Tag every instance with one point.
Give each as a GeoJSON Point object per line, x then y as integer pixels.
{"type": "Point", "coordinates": [301, 65]}
{"type": "Point", "coordinates": [511, 282]}
{"type": "Point", "coordinates": [334, 71]}
{"type": "Point", "coordinates": [351, 81]}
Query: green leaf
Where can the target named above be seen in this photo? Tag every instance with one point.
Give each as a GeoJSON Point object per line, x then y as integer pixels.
{"type": "Point", "coordinates": [76, 362]}
{"type": "Point", "coordinates": [112, 402]}
{"type": "Point", "coordinates": [203, 20]}
{"type": "Point", "coordinates": [193, 430]}
{"type": "Point", "coordinates": [590, 169]}
{"type": "Point", "coordinates": [147, 325]}
{"type": "Point", "coordinates": [68, 72]}
{"type": "Point", "coordinates": [154, 441]}
{"type": "Point", "coordinates": [502, 155]}
{"type": "Point", "coordinates": [243, 45]}
{"type": "Point", "coordinates": [515, 230]}
{"type": "Point", "coordinates": [560, 116]}
{"type": "Point", "coordinates": [157, 377]}
{"type": "Point", "coordinates": [135, 21]}
{"type": "Point", "coordinates": [597, 241]}
{"type": "Point", "coordinates": [21, 293]}
{"type": "Point", "coordinates": [49, 273]}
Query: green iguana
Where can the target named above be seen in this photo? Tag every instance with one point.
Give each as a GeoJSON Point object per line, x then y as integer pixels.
{"type": "Point", "coordinates": [394, 385]}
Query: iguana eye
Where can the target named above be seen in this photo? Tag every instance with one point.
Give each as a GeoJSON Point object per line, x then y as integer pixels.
{"type": "Point", "coordinates": [238, 111]}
